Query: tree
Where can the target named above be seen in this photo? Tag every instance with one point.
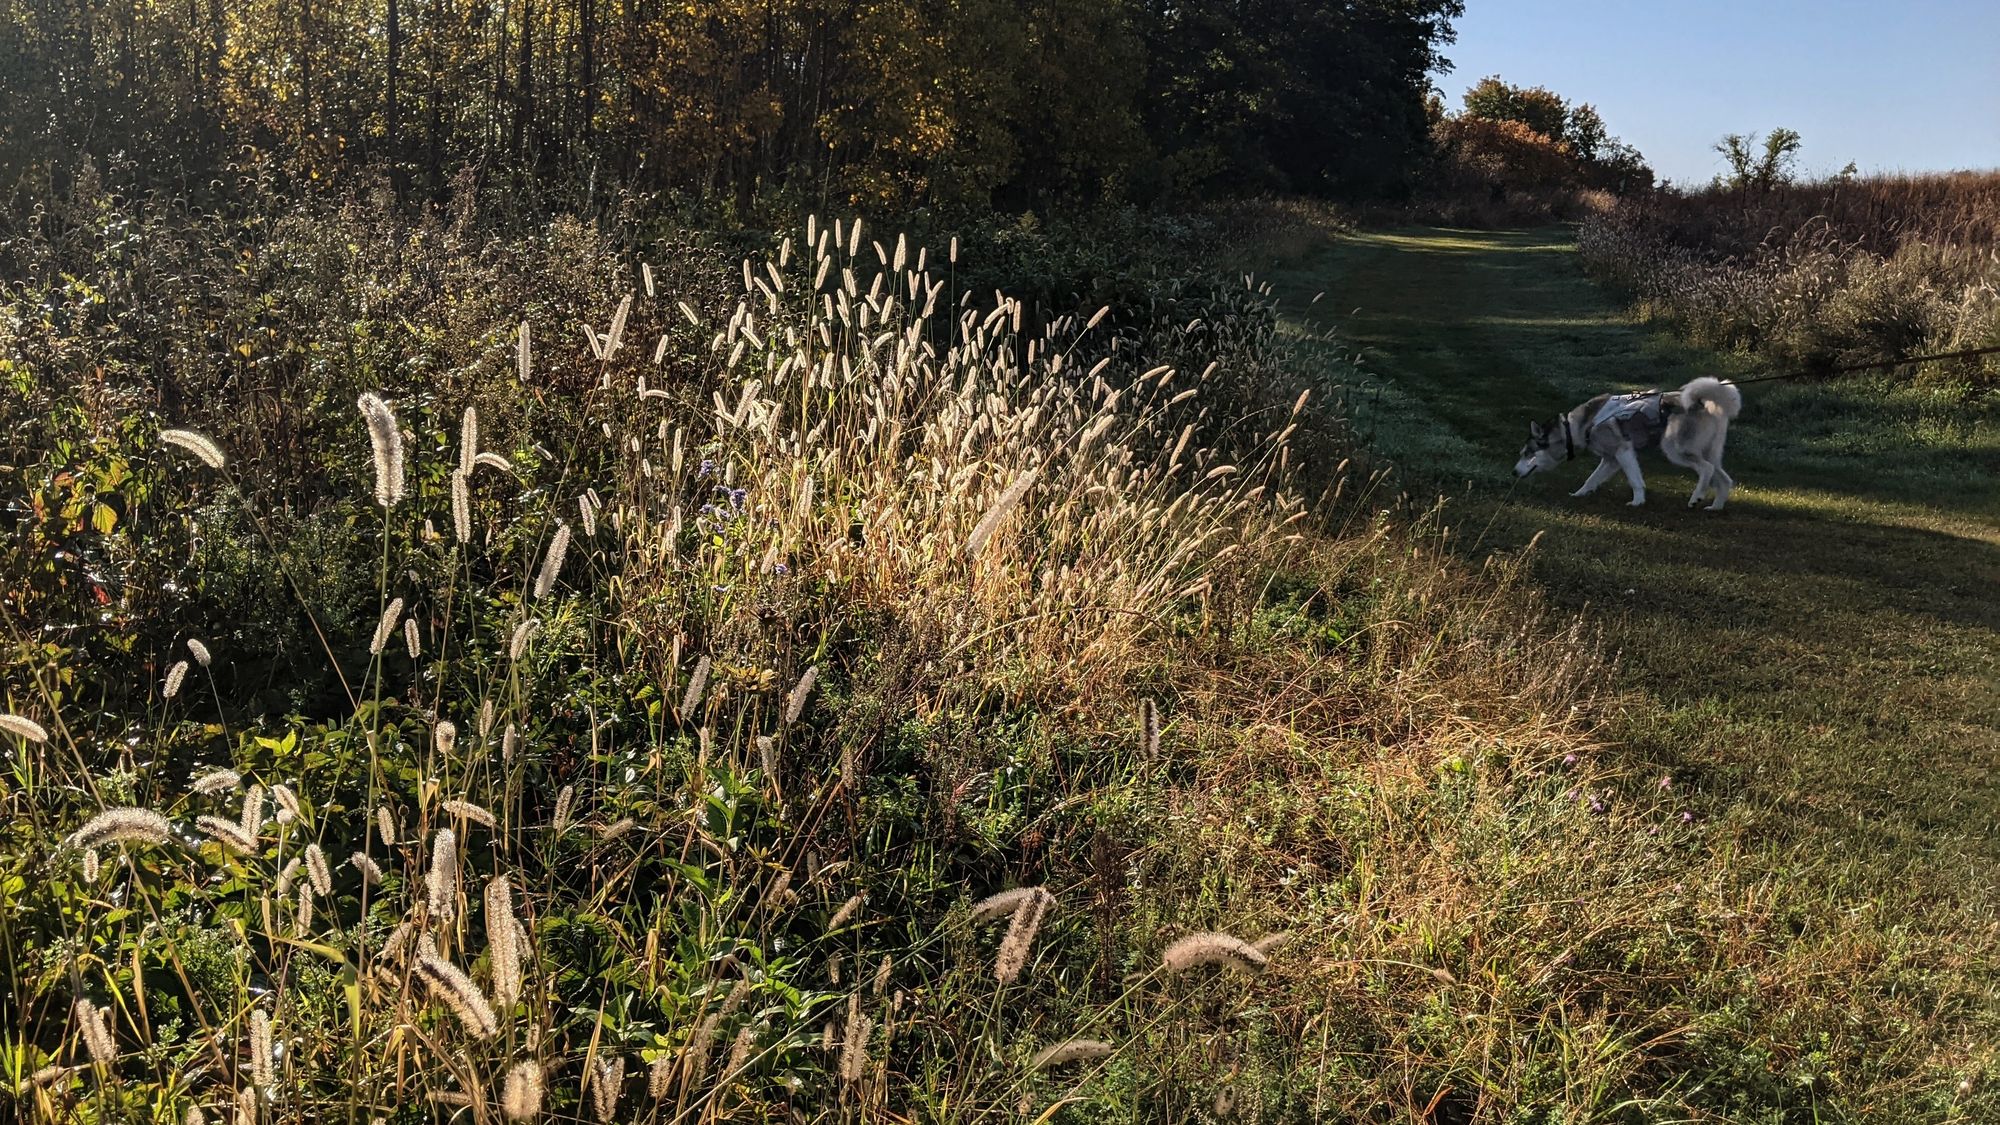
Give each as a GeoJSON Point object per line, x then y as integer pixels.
{"type": "Point", "coordinates": [1751, 170]}
{"type": "Point", "coordinates": [1539, 109]}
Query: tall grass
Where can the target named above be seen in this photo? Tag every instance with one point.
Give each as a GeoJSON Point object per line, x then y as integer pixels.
{"type": "Point", "coordinates": [714, 682]}
{"type": "Point", "coordinates": [1845, 270]}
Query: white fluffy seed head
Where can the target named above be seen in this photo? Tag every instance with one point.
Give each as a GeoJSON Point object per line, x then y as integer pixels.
{"type": "Point", "coordinates": [199, 651]}
{"type": "Point", "coordinates": [552, 562]}
{"type": "Point", "coordinates": [461, 505]}
{"type": "Point", "coordinates": [1074, 1050]}
{"type": "Point", "coordinates": [175, 677]}
{"type": "Point", "coordinates": [521, 1094]}
{"type": "Point", "coordinates": [386, 628]}
{"type": "Point", "coordinates": [450, 984]}
{"type": "Point", "coordinates": [227, 833]}
{"type": "Point", "coordinates": [114, 826]}
{"type": "Point", "coordinates": [468, 440]}
{"type": "Point", "coordinates": [371, 872]}
{"type": "Point", "coordinates": [1200, 949]}
{"type": "Point", "coordinates": [386, 439]}
{"type": "Point", "coordinates": [441, 885]}
{"type": "Point", "coordinates": [466, 810]}
{"type": "Point", "coordinates": [23, 727]}
{"type": "Point", "coordinates": [316, 867]}
{"type": "Point", "coordinates": [206, 451]}
{"type": "Point", "coordinates": [517, 646]}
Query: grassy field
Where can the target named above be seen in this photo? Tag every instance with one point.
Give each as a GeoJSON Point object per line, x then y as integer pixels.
{"type": "Point", "coordinates": [1816, 669]}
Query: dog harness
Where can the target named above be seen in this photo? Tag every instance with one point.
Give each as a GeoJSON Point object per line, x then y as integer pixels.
{"type": "Point", "coordinates": [1646, 408]}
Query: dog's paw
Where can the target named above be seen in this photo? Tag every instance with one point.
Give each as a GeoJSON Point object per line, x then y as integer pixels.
{"type": "Point", "coordinates": [1582, 492]}
{"type": "Point", "coordinates": [1715, 507]}
{"type": "Point", "coordinates": [1636, 502]}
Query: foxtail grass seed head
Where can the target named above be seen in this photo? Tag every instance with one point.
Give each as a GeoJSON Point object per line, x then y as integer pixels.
{"type": "Point", "coordinates": [564, 801]}
{"type": "Point", "coordinates": [412, 641]}
{"type": "Point", "coordinates": [660, 1078]}
{"type": "Point", "coordinates": [23, 727]}
{"type": "Point", "coordinates": [882, 972]}
{"type": "Point", "coordinates": [386, 628]}
{"type": "Point", "coordinates": [1020, 939]}
{"type": "Point", "coordinates": [607, 1082]}
{"type": "Point", "coordinates": [117, 826]}
{"type": "Point", "coordinates": [743, 1050]}
{"type": "Point", "coordinates": [290, 808]}
{"type": "Point", "coordinates": [193, 1116]}
{"type": "Point", "coordinates": [445, 736]}
{"type": "Point", "coordinates": [1003, 905]}
{"type": "Point", "coordinates": [461, 506]}
{"type": "Point", "coordinates": [441, 884]}
{"type": "Point", "coordinates": [317, 869]}
{"type": "Point", "coordinates": [304, 918]}
{"type": "Point", "coordinates": [252, 821]}
{"type": "Point", "coordinates": [697, 685]}
{"type": "Point", "coordinates": [552, 562]}
{"type": "Point", "coordinates": [466, 810]}
{"type": "Point", "coordinates": [1196, 950]}
{"type": "Point", "coordinates": [493, 461]}
{"type": "Point", "coordinates": [199, 651]}
{"type": "Point", "coordinates": [616, 829]}
{"type": "Point", "coordinates": [386, 439]}
{"type": "Point", "coordinates": [206, 451]}
{"type": "Point", "coordinates": [854, 1046]}
{"type": "Point", "coordinates": [227, 833]}
{"type": "Point", "coordinates": [510, 745]}
{"type": "Point", "coordinates": [586, 510]}
{"type": "Point", "coordinates": [371, 872]}
{"type": "Point", "coordinates": [521, 1093]}
{"type": "Point", "coordinates": [289, 874]}
{"type": "Point", "coordinates": [846, 912]}
{"type": "Point", "coordinates": [90, 865]}
{"type": "Point", "coordinates": [795, 704]}
{"type": "Point", "coordinates": [1074, 1050]}
{"type": "Point", "coordinates": [468, 440]}
{"type": "Point", "coordinates": [95, 1028]}
{"type": "Point", "coordinates": [504, 952]}
{"type": "Point", "coordinates": [1149, 729]}
{"type": "Point", "coordinates": [449, 984]}
{"type": "Point", "coordinates": [517, 646]}
{"type": "Point", "coordinates": [260, 1050]}
{"type": "Point", "coordinates": [385, 825]}
{"type": "Point", "coordinates": [246, 1107]}
{"type": "Point", "coordinates": [990, 522]}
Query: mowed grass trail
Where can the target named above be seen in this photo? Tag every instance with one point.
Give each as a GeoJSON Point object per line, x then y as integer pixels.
{"type": "Point", "coordinates": [1817, 667]}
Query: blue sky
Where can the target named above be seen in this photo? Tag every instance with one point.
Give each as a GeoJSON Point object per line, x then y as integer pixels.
{"type": "Point", "coordinates": [1893, 85]}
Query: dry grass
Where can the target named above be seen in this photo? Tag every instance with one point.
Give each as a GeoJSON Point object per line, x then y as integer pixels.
{"type": "Point", "coordinates": [875, 593]}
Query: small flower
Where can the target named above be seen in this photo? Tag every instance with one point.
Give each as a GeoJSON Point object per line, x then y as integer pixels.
{"type": "Point", "coordinates": [1687, 818]}
{"type": "Point", "coordinates": [1667, 784]}
{"type": "Point", "coordinates": [1569, 759]}
{"type": "Point", "coordinates": [781, 570]}
{"type": "Point", "coordinates": [707, 467]}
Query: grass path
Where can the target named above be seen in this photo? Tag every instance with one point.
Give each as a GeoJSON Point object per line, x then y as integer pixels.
{"type": "Point", "coordinates": [1820, 664]}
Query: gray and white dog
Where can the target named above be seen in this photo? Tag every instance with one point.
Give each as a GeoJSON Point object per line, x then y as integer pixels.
{"type": "Point", "coordinates": [1688, 425]}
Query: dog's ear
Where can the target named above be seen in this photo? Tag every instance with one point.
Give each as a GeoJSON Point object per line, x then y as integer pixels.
{"type": "Point", "coordinates": [1535, 430]}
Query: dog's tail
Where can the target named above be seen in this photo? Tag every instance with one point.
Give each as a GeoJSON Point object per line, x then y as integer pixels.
{"type": "Point", "coordinates": [1709, 391]}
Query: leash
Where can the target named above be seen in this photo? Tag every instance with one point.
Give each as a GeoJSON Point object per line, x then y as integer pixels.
{"type": "Point", "coordinates": [1880, 364]}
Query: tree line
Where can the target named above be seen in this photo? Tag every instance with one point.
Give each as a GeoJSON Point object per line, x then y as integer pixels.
{"type": "Point", "coordinates": [892, 103]}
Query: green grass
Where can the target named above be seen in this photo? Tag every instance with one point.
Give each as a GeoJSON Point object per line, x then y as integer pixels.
{"type": "Point", "coordinates": [1815, 667]}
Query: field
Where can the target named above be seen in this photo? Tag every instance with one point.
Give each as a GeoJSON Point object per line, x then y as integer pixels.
{"type": "Point", "coordinates": [1812, 673]}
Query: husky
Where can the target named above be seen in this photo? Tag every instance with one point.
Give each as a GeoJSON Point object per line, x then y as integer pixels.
{"type": "Point", "coordinates": [1688, 425]}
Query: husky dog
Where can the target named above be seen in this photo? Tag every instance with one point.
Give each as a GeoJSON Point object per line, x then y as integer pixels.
{"type": "Point", "coordinates": [1688, 425]}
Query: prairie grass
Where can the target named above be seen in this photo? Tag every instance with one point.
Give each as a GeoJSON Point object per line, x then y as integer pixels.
{"type": "Point", "coordinates": [1837, 271]}
{"type": "Point", "coordinates": [758, 659]}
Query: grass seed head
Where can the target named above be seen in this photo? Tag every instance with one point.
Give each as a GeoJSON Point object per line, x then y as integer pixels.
{"type": "Point", "coordinates": [1200, 949]}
